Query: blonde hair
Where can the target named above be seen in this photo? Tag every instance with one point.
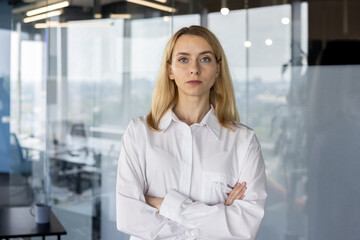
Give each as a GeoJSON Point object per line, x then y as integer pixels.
{"type": "Point", "coordinates": [222, 95]}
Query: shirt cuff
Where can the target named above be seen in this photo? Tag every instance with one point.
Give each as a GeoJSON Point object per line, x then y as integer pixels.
{"type": "Point", "coordinates": [170, 206]}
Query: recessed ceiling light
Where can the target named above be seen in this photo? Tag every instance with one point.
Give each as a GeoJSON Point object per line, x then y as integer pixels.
{"type": "Point", "coordinates": [247, 44]}
{"type": "Point", "coordinates": [285, 20]}
{"type": "Point", "coordinates": [268, 42]}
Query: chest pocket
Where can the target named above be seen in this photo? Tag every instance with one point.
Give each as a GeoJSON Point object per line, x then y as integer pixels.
{"type": "Point", "coordinates": [216, 187]}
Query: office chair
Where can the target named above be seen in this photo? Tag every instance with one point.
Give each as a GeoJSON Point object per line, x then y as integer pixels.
{"type": "Point", "coordinates": [18, 163]}
{"type": "Point", "coordinates": [78, 130]}
{"type": "Point", "coordinates": [20, 168]}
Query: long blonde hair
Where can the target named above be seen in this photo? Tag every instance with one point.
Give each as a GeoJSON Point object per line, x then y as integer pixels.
{"type": "Point", "coordinates": [222, 95]}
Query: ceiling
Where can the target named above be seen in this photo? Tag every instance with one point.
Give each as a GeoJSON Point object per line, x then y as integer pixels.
{"type": "Point", "coordinates": [327, 18]}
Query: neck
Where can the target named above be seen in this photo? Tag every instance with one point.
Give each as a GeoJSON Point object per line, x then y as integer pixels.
{"type": "Point", "coordinates": [192, 110]}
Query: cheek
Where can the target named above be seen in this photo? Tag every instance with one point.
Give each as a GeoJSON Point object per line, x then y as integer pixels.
{"type": "Point", "coordinates": [217, 73]}
{"type": "Point", "coordinates": [178, 70]}
{"type": "Point", "coordinates": [213, 73]}
{"type": "Point", "coordinates": [177, 82]}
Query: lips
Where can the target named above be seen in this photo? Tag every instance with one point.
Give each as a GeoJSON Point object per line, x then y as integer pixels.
{"type": "Point", "coordinates": [194, 82]}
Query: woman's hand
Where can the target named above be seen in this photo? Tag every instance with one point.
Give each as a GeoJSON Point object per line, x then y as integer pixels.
{"type": "Point", "coordinates": [154, 202]}
{"type": "Point", "coordinates": [238, 192]}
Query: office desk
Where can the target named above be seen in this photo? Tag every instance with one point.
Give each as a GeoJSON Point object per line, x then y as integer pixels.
{"type": "Point", "coordinates": [38, 145]}
{"type": "Point", "coordinates": [77, 165]}
{"type": "Point", "coordinates": [17, 222]}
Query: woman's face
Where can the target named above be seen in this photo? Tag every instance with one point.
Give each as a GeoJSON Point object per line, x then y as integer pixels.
{"type": "Point", "coordinates": [193, 66]}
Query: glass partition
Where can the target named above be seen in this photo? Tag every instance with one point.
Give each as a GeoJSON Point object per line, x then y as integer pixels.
{"type": "Point", "coordinates": [77, 79]}
{"type": "Point", "coordinates": [28, 114]}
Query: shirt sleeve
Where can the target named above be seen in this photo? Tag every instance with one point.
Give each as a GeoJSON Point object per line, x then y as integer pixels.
{"type": "Point", "coordinates": [133, 215]}
{"type": "Point", "coordinates": [241, 220]}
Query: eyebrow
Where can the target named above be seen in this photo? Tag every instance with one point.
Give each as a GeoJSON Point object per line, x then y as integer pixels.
{"type": "Point", "coordinates": [202, 53]}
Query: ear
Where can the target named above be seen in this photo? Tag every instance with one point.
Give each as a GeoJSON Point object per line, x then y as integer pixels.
{"type": "Point", "coordinates": [170, 74]}
{"type": "Point", "coordinates": [218, 68]}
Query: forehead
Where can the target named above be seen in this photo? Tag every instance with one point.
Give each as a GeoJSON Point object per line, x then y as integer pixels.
{"type": "Point", "coordinates": [192, 43]}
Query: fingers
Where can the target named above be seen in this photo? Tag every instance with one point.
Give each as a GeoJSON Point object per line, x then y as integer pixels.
{"type": "Point", "coordinates": [147, 199]}
{"type": "Point", "coordinates": [150, 200]}
{"type": "Point", "coordinates": [238, 192]}
{"type": "Point", "coordinates": [154, 201]}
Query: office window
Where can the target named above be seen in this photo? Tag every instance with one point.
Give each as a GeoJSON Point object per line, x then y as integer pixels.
{"type": "Point", "coordinates": [77, 82]}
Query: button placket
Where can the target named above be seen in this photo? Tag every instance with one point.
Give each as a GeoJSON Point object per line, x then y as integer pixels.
{"type": "Point", "coordinates": [186, 164]}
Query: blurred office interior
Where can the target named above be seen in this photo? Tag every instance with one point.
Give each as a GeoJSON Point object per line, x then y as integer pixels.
{"type": "Point", "coordinates": [72, 77]}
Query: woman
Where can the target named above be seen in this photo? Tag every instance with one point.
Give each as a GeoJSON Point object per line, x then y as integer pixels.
{"type": "Point", "coordinates": [189, 170]}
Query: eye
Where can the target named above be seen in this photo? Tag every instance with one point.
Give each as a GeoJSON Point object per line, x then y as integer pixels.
{"type": "Point", "coordinates": [205, 59]}
{"type": "Point", "coordinates": [183, 60]}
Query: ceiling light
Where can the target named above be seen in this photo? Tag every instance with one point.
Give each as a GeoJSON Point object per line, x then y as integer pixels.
{"type": "Point", "coordinates": [162, 1]}
{"type": "Point", "coordinates": [53, 24]}
{"type": "Point", "coordinates": [268, 42]}
{"type": "Point", "coordinates": [247, 44]}
{"type": "Point", "coordinates": [224, 9]}
{"type": "Point", "coordinates": [47, 8]}
{"type": "Point", "coordinates": [48, 24]}
{"type": "Point", "coordinates": [285, 20]}
{"type": "Point", "coordinates": [153, 5]}
{"type": "Point", "coordinates": [42, 16]}
{"type": "Point", "coordinates": [125, 16]}
{"type": "Point", "coordinates": [97, 15]}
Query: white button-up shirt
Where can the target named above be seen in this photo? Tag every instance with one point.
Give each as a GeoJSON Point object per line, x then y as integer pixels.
{"type": "Point", "coordinates": [194, 169]}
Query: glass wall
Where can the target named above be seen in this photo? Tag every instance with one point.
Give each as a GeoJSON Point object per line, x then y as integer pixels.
{"type": "Point", "coordinates": [78, 78]}
{"type": "Point", "coordinates": [5, 32]}
{"type": "Point", "coordinates": [28, 103]}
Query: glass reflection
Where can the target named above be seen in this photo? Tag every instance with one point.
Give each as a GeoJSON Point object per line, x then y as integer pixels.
{"type": "Point", "coordinates": [74, 88]}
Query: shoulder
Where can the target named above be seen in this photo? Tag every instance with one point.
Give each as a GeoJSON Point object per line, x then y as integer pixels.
{"type": "Point", "coordinates": [244, 135]}
{"type": "Point", "coordinates": [136, 127]}
{"type": "Point", "coordinates": [245, 140]}
{"type": "Point", "coordinates": [138, 121]}
{"type": "Point", "coordinates": [244, 130]}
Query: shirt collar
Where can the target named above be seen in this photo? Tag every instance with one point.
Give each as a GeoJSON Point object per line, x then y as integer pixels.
{"type": "Point", "coordinates": [210, 120]}
{"type": "Point", "coordinates": [166, 119]}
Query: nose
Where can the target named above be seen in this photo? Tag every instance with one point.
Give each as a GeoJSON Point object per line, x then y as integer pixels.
{"type": "Point", "coordinates": [194, 68]}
